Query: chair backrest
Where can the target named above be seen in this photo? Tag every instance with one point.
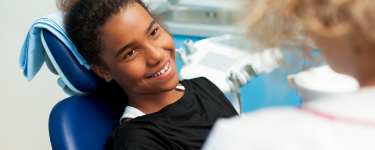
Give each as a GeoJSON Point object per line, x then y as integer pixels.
{"type": "Point", "coordinates": [83, 121]}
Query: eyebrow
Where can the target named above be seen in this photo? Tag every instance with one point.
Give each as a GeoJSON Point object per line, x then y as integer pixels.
{"type": "Point", "coordinates": [131, 43]}
{"type": "Point", "coordinates": [124, 48]}
{"type": "Point", "coordinates": [151, 24]}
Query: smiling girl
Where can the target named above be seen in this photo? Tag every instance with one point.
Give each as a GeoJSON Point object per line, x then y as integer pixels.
{"type": "Point", "coordinates": [124, 43]}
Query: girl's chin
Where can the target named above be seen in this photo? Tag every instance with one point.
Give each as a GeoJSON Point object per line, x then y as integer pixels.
{"type": "Point", "coordinates": [171, 85]}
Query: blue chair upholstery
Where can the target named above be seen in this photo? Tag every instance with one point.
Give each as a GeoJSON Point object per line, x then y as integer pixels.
{"type": "Point", "coordinates": [83, 121]}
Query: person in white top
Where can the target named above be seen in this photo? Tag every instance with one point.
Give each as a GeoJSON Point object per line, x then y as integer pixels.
{"type": "Point", "coordinates": [344, 31]}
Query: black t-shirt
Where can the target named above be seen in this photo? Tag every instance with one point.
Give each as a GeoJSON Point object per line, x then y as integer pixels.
{"type": "Point", "coordinates": [184, 124]}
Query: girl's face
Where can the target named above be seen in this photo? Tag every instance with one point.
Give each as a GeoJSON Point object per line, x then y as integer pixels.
{"type": "Point", "coordinates": [139, 53]}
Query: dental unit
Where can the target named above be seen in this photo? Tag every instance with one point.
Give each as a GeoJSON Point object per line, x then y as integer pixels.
{"type": "Point", "coordinates": [227, 62]}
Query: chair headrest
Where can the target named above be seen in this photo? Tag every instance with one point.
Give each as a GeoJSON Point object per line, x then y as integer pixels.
{"type": "Point", "coordinates": [75, 76]}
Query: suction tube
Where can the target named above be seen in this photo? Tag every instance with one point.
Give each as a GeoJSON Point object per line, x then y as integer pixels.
{"type": "Point", "coordinates": [189, 45]}
{"type": "Point", "coordinates": [181, 52]}
{"type": "Point", "coordinates": [235, 85]}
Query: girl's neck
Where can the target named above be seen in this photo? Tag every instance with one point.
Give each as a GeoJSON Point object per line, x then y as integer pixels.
{"type": "Point", "coordinates": [150, 103]}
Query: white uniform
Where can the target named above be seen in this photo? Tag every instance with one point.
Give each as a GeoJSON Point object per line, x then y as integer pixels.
{"type": "Point", "coordinates": [344, 122]}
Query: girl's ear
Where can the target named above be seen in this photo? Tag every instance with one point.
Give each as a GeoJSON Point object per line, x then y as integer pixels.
{"type": "Point", "coordinates": [101, 72]}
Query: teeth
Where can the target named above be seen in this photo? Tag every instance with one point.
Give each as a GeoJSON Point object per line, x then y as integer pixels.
{"type": "Point", "coordinates": [162, 70]}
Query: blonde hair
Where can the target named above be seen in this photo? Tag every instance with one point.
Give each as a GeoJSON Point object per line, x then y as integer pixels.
{"type": "Point", "coordinates": [270, 22]}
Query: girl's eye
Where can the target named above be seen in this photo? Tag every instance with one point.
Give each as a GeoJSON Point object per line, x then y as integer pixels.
{"type": "Point", "coordinates": [154, 32]}
{"type": "Point", "coordinates": [131, 52]}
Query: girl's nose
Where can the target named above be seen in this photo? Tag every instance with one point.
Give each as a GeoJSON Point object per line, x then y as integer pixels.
{"type": "Point", "coordinates": [155, 55]}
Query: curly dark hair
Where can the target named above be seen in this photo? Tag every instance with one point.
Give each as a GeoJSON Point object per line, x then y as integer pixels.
{"type": "Point", "coordinates": [83, 19]}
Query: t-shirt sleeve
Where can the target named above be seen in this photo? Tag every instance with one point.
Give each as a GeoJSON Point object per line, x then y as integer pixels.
{"type": "Point", "coordinates": [144, 137]}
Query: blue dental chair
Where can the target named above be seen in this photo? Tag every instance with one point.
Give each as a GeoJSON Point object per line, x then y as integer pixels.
{"type": "Point", "coordinates": [84, 120]}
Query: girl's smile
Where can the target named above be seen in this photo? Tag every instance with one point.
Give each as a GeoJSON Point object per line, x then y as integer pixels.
{"type": "Point", "coordinates": [162, 73]}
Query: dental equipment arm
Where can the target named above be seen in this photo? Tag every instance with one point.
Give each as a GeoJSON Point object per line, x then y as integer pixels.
{"type": "Point", "coordinates": [226, 61]}
{"type": "Point", "coordinates": [268, 61]}
{"type": "Point", "coordinates": [263, 63]}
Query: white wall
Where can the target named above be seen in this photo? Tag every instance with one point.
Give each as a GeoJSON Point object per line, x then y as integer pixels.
{"type": "Point", "coordinates": [24, 106]}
